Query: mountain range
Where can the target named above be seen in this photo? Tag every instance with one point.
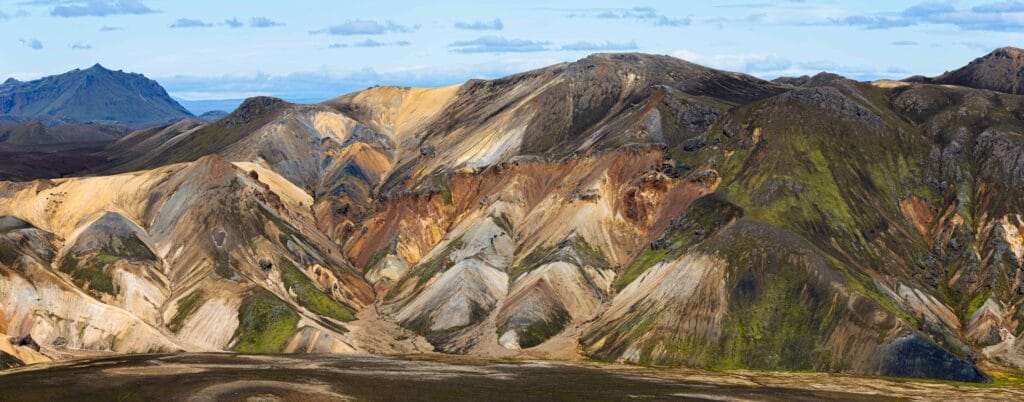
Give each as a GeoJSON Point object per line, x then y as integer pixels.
{"type": "Point", "coordinates": [623, 207]}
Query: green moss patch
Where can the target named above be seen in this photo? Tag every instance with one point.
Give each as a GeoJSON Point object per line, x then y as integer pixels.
{"type": "Point", "coordinates": [310, 296]}
{"type": "Point", "coordinates": [89, 272]}
{"type": "Point", "coordinates": [976, 302]}
{"type": "Point", "coordinates": [265, 323]}
{"type": "Point", "coordinates": [773, 324]}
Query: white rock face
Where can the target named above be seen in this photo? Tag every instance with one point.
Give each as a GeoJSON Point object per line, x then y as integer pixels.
{"type": "Point", "coordinates": [391, 267]}
{"type": "Point", "coordinates": [509, 340]}
{"type": "Point", "coordinates": [53, 312]}
{"type": "Point", "coordinates": [452, 300]}
{"type": "Point", "coordinates": [212, 325]}
{"type": "Point", "coordinates": [139, 295]}
{"type": "Point", "coordinates": [464, 293]}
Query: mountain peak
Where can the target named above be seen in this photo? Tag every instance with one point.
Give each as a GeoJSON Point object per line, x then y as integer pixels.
{"type": "Point", "coordinates": [1007, 51]}
{"type": "Point", "coordinates": [94, 94]}
{"type": "Point", "coordinates": [252, 107]}
{"type": "Point", "coordinates": [1001, 70]}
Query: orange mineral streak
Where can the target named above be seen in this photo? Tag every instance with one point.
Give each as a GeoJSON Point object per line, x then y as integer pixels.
{"type": "Point", "coordinates": [616, 202]}
{"type": "Point", "coordinates": [919, 213]}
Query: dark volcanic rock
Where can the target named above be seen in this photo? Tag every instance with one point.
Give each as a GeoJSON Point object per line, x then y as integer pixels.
{"type": "Point", "coordinates": [251, 108]}
{"type": "Point", "coordinates": [25, 341]}
{"type": "Point", "coordinates": [731, 128]}
{"type": "Point", "coordinates": [694, 117]}
{"type": "Point", "coordinates": [833, 100]}
{"type": "Point", "coordinates": [914, 357]}
{"type": "Point", "coordinates": [694, 144]}
{"type": "Point", "coordinates": [1002, 153]}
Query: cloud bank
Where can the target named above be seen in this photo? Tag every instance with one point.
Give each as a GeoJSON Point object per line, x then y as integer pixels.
{"type": "Point", "coordinates": [366, 27]}
{"type": "Point", "coordinates": [99, 8]}
{"type": "Point", "coordinates": [498, 44]}
{"type": "Point", "coordinates": [495, 25]}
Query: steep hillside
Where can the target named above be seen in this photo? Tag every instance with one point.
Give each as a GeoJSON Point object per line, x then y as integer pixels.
{"type": "Point", "coordinates": [623, 207]}
{"type": "Point", "coordinates": [95, 94]}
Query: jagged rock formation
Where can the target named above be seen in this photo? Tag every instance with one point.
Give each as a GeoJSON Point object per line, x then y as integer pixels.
{"type": "Point", "coordinates": [95, 94]}
{"type": "Point", "coordinates": [623, 207]}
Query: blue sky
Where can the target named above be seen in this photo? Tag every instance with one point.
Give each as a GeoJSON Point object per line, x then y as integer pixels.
{"type": "Point", "coordinates": [312, 49]}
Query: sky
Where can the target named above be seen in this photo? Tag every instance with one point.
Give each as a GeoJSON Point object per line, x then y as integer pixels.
{"type": "Point", "coordinates": [309, 50]}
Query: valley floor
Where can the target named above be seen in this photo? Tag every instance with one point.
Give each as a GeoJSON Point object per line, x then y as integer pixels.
{"type": "Point", "coordinates": [435, 377]}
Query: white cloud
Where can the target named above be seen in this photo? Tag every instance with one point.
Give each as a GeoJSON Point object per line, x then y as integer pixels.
{"type": "Point", "coordinates": [366, 27]}
{"type": "Point", "coordinates": [770, 66]}
{"type": "Point", "coordinates": [99, 8]}
{"type": "Point", "coordinates": [495, 25]}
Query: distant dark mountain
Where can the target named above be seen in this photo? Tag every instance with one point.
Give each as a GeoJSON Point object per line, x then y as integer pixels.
{"type": "Point", "coordinates": [213, 115]}
{"type": "Point", "coordinates": [809, 81]}
{"type": "Point", "coordinates": [92, 95]}
{"type": "Point", "coordinates": [200, 106]}
{"type": "Point", "coordinates": [36, 133]}
{"type": "Point", "coordinates": [1001, 70]}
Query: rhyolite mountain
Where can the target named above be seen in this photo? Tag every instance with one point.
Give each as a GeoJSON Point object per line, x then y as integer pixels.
{"type": "Point", "coordinates": [95, 94]}
{"type": "Point", "coordinates": [623, 207]}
